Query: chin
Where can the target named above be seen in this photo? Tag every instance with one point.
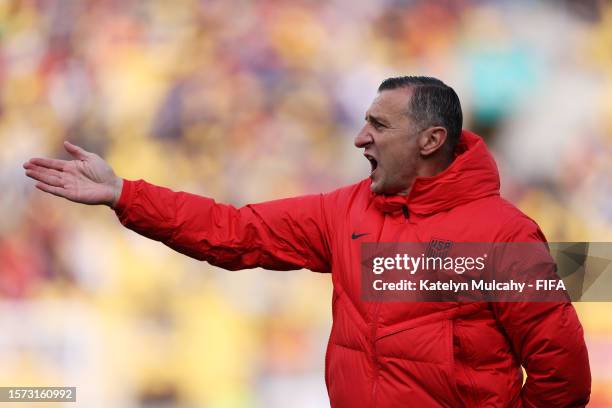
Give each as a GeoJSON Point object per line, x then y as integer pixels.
{"type": "Point", "coordinates": [375, 187]}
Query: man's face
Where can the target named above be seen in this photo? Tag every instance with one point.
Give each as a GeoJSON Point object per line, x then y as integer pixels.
{"type": "Point", "coordinates": [389, 139]}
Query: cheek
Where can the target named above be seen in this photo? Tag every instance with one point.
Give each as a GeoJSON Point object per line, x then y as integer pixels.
{"type": "Point", "coordinates": [396, 154]}
{"type": "Point", "coordinates": [400, 166]}
{"type": "Point", "coordinates": [395, 148]}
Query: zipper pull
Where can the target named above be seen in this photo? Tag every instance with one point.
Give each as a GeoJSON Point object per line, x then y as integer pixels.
{"type": "Point", "coordinates": [405, 211]}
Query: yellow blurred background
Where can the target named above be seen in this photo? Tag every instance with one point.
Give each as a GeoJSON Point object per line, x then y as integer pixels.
{"type": "Point", "coordinates": [246, 101]}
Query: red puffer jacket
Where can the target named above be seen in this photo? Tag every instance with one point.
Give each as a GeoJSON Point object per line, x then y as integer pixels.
{"type": "Point", "coordinates": [393, 354]}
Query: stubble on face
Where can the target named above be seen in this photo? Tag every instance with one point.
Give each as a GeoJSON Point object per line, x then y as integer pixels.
{"type": "Point", "coordinates": [389, 139]}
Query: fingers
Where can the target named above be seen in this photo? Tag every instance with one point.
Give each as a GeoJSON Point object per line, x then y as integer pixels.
{"type": "Point", "coordinates": [56, 164]}
{"type": "Point", "coordinates": [57, 191]}
{"type": "Point", "coordinates": [47, 176]}
{"type": "Point", "coordinates": [47, 163]}
{"type": "Point", "coordinates": [76, 151]}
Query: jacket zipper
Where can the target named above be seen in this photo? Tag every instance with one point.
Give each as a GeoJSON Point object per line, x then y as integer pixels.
{"type": "Point", "coordinates": [405, 212]}
{"type": "Point", "coordinates": [374, 354]}
{"type": "Point", "coordinates": [375, 362]}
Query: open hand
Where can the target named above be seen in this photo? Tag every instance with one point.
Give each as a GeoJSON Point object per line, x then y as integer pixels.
{"type": "Point", "coordinates": [88, 179]}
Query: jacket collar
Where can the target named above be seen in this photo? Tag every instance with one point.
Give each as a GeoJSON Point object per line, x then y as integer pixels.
{"type": "Point", "coordinates": [472, 175]}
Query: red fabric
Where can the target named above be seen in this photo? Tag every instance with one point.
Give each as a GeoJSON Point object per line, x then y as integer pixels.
{"type": "Point", "coordinates": [393, 354]}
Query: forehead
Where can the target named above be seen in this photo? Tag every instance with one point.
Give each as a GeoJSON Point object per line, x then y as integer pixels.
{"type": "Point", "coordinates": [390, 103]}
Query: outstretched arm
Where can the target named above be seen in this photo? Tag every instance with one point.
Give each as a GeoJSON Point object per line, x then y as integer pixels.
{"type": "Point", "coordinates": [87, 179]}
{"type": "Point", "coordinates": [285, 234]}
{"type": "Point", "coordinates": [282, 234]}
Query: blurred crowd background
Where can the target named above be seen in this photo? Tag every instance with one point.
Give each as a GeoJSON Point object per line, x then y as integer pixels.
{"type": "Point", "coordinates": [246, 101]}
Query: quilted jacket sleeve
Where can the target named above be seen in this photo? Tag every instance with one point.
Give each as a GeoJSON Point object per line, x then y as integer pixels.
{"type": "Point", "coordinates": [549, 341]}
{"type": "Point", "coordinates": [282, 235]}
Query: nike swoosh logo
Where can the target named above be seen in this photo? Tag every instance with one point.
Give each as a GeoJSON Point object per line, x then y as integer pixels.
{"type": "Point", "coordinates": [355, 236]}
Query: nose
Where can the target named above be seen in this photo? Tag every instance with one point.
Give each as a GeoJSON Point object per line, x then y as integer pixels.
{"type": "Point", "coordinates": [363, 138]}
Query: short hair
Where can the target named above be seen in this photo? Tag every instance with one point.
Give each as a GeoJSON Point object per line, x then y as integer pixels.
{"type": "Point", "coordinates": [433, 103]}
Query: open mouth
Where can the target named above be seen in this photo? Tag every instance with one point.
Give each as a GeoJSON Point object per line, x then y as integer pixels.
{"type": "Point", "coordinates": [373, 163]}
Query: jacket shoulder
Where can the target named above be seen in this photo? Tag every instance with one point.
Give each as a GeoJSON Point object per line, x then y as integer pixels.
{"type": "Point", "coordinates": [519, 226]}
{"type": "Point", "coordinates": [343, 197]}
{"type": "Point", "coordinates": [505, 221]}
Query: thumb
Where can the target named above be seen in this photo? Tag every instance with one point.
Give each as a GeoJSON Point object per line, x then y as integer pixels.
{"type": "Point", "coordinates": [75, 151]}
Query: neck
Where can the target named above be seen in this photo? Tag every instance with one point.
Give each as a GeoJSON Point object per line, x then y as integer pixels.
{"type": "Point", "coordinates": [434, 166]}
{"type": "Point", "coordinates": [428, 168]}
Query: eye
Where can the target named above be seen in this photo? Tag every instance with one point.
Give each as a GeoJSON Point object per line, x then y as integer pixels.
{"type": "Point", "coordinates": [377, 125]}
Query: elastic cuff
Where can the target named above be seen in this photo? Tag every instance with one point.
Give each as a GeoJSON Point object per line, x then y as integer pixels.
{"type": "Point", "coordinates": [124, 198]}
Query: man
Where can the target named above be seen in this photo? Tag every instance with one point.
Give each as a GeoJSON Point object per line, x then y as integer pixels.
{"type": "Point", "coordinates": [429, 179]}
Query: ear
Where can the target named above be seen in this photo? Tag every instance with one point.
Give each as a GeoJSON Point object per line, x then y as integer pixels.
{"type": "Point", "coordinates": [432, 139]}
